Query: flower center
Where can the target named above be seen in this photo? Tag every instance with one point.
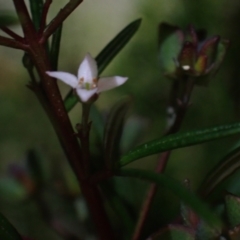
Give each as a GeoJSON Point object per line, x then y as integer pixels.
{"type": "Point", "coordinates": [87, 85]}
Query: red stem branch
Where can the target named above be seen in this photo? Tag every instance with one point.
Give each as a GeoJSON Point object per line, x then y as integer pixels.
{"type": "Point", "coordinates": [44, 16]}
{"type": "Point", "coordinates": [8, 42]}
{"type": "Point", "coordinates": [25, 20]}
{"type": "Point", "coordinates": [13, 34]}
{"type": "Point", "coordinates": [61, 16]}
{"type": "Point", "coordinates": [180, 109]}
{"type": "Point", "coordinates": [58, 114]}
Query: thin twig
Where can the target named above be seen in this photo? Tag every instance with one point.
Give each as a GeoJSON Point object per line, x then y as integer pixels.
{"type": "Point", "coordinates": [8, 42]}
{"type": "Point", "coordinates": [149, 198]}
{"type": "Point", "coordinates": [44, 16]}
{"type": "Point", "coordinates": [61, 16]}
{"type": "Point", "coordinates": [182, 107]}
{"type": "Point", "coordinates": [12, 34]}
{"type": "Point", "coordinates": [25, 20]}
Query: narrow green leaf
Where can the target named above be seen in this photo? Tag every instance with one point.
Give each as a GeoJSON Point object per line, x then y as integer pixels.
{"type": "Point", "coordinates": [55, 47]}
{"type": "Point", "coordinates": [116, 45]}
{"type": "Point", "coordinates": [178, 189]}
{"type": "Point", "coordinates": [7, 231]}
{"type": "Point", "coordinates": [113, 131]}
{"type": "Point", "coordinates": [226, 168]}
{"type": "Point", "coordinates": [107, 55]}
{"type": "Point", "coordinates": [7, 19]}
{"type": "Point", "coordinates": [179, 140]}
{"type": "Point", "coordinates": [36, 7]}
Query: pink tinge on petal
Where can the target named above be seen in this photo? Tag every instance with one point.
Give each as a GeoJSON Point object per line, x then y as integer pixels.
{"type": "Point", "coordinates": [85, 94]}
{"type": "Point", "coordinates": [108, 83]}
{"type": "Point", "coordinates": [88, 69]}
{"type": "Point", "coordinates": [65, 77]}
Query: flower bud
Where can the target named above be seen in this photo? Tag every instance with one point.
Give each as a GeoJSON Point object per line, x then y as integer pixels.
{"type": "Point", "coordinates": [187, 53]}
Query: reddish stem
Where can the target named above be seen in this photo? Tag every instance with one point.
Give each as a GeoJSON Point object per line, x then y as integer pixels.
{"type": "Point", "coordinates": [25, 20]}
{"type": "Point", "coordinates": [8, 42]}
{"type": "Point", "coordinates": [13, 34]}
{"type": "Point", "coordinates": [44, 16]}
{"type": "Point", "coordinates": [59, 115]}
{"type": "Point", "coordinates": [61, 16]}
{"type": "Point", "coordinates": [181, 111]}
{"type": "Point", "coordinates": [149, 198]}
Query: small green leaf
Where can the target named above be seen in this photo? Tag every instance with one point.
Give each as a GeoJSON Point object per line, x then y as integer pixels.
{"type": "Point", "coordinates": [107, 55]}
{"type": "Point", "coordinates": [55, 47]}
{"type": "Point", "coordinates": [113, 131]}
{"type": "Point", "coordinates": [7, 231]}
{"type": "Point", "coordinates": [7, 19]}
{"type": "Point", "coordinates": [36, 7]}
{"type": "Point", "coordinates": [178, 189]}
{"type": "Point", "coordinates": [174, 232]}
{"type": "Point", "coordinates": [179, 140]}
{"type": "Point", "coordinates": [232, 205]}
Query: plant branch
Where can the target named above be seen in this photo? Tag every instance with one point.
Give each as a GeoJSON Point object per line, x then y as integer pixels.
{"type": "Point", "coordinates": [61, 16]}
{"type": "Point", "coordinates": [149, 198]}
{"type": "Point", "coordinates": [13, 34]}
{"type": "Point", "coordinates": [8, 42]}
{"type": "Point", "coordinates": [25, 20]}
{"type": "Point", "coordinates": [44, 16]}
{"type": "Point", "coordinates": [180, 104]}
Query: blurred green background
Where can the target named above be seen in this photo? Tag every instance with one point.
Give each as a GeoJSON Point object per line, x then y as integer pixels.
{"type": "Point", "coordinates": [24, 126]}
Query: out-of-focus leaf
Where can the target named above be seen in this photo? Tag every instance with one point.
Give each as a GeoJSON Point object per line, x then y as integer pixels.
{"type": "Point", "coordinates": [7, 231]}
{"type": "Point", "coordinates": [174, 232]}
{"type": "Point", "coordinates": [118, 206]}
{"type": "Point", "coordinates": [133, 129]}
{"type": "Point", "coordinates": [113, 131]}
{"type": "Point", "coordinates": [12, 191]}
{"type": "Point", "coordinates": [226, 168]}
{"type": "Point", "coordinates": [179, 140]}
{"type": "Point", "coordinates": [35, 166]}
{"type": "Point", "coordinates": [207, 232]}
{"type": "Point", "coordinates": [36, 7]}
{"type": "Point", "coordinates": [97, 121]}
{"type": "Point", "coordinates": [178, 189]}
{"type": "Point", "coordinates": [170, 43]}
{"type": "Point", "coordinates": [7, 19]}
{"type": "Point", "coordinates": [55, 48]}
{"type": "Point", "coordinates": [107, 55]}
{"type": "Point", "coordinates": [232, 205]}
{"type": "Point", "coordinates": [221, 52]}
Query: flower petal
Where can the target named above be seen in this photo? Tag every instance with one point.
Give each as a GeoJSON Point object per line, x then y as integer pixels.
{"type": "Point", "coordinates": [65, 77]}
{"type": "Point", "coordinates": [110, 82]}
{"type": "Point", "coordinates": [85, 94]}
{"type": "Point", "coordinates": [88, 69]}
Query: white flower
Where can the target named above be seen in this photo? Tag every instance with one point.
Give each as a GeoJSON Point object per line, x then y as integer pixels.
{"type": "Point", "coordinates": [86, 83]}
